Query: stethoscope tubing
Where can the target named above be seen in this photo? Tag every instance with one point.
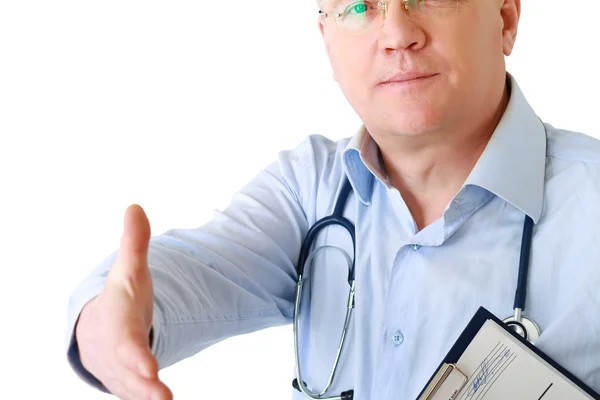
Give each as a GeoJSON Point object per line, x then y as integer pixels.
{"type": "Point", "coordinates": [336, 218]}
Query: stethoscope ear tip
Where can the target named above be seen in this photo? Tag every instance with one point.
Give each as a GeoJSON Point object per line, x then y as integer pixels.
{"type": "Point", "coordinates": [295, 384]}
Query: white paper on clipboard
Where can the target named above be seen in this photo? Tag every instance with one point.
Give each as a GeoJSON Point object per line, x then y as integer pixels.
{"type": "Point", "coordinates": [499, 367]}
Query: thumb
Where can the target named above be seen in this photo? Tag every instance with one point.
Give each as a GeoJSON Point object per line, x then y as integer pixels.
{"type": "Point", "coordinates": [132, 259]}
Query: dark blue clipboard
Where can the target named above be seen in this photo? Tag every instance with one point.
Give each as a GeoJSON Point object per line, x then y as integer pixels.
{"type": "Point", "coordinates": [481, 316]}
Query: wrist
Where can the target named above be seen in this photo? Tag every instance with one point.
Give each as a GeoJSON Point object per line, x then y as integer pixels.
{"type": "Point", "coordinates": [84, 315]}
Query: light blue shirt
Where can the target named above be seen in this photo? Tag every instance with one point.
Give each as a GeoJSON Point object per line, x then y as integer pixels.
{"type": "Point", "coordinates": [415, 290]}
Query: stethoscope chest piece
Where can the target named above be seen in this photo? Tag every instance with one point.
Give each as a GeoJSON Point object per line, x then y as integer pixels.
{"type": "Point", "coordinates": [526, 327]}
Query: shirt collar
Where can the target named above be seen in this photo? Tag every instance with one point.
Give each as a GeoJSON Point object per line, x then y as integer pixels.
{"type": "Point", "coordinates": [363, 164]}
{"type": "Point", "coordinates": [512, 166]}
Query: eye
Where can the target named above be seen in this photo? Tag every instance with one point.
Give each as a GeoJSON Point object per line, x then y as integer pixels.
{"type": "Point", "coordinates": [360, 7]}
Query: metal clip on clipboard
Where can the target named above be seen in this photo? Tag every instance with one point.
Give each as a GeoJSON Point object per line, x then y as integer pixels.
{"type": "Point", "coordinates": [440, 378]}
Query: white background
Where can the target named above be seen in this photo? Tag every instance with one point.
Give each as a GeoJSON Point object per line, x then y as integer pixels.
{"type": "Point", "coordinates": [175, 105]}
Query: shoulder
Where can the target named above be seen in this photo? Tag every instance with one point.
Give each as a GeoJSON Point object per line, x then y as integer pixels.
{"type": "Point", "coordinates": [572, 182]}
{"type": "Point", "coordinates": [316, 155]}
{"type": "Point", "coordinates": [572, 156]}
{"type": "Point", "coordinates": [572, 147]}
{"type": "Point", "coordinates": [313, 168]}
{"type": "Point", "coordinates": [315, 148]}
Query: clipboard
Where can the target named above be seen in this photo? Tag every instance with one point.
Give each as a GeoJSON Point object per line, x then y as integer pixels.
{"type": "Point", "coordinates": [449, 374]}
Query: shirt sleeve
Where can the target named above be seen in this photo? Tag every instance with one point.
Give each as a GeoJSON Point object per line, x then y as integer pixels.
{"type": "Point", "coordinates": [234, 275]}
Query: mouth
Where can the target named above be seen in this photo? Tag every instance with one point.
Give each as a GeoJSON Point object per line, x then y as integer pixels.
{"type": "Point", "coordinates": [408, 79]}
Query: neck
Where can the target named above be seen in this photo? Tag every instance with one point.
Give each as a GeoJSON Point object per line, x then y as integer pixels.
{"type": "Point", "coordinates": [429, 170]}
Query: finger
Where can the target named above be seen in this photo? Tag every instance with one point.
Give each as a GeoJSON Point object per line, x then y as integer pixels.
{"type": "Point", "coordinates": [128, 385]}
{"type": "Point", "coordinates": [130, 269]}
{"type": "Point", "coordinates": [133, 251]}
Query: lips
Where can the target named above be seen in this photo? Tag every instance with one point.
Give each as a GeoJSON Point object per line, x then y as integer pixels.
{"type": "Point", "coordinates": [405, 77]}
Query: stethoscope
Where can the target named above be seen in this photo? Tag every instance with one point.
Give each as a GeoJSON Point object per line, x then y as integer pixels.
{"type": "Point", "coordinates": [521, 324]}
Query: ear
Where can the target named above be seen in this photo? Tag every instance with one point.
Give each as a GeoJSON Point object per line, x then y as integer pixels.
{"type": "Point", "coordinates": [511, 12]}
{"type": "Point", "coordinates": [323, 30]}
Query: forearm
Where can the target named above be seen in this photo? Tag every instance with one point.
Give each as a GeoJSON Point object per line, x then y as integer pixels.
{"type": "Point", "coordinates": [202, 298]}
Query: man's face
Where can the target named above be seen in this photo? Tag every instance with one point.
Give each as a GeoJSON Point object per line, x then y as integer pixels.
{"type": "Point", "coordinates": [462, 46]}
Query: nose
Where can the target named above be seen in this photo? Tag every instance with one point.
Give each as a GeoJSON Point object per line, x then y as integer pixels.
{"type": "Point", "coordinates": [399, 31]}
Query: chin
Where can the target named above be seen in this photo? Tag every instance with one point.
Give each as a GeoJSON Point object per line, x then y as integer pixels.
{"type": "Point", "coordinates": [413, 122]}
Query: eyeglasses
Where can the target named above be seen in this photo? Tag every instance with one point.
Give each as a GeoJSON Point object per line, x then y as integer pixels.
{"type": "Point", "coordinates": [361, 15]}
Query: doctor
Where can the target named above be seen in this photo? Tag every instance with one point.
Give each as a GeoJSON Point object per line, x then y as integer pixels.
{"type": "Point", "coordinates": [450, 160]}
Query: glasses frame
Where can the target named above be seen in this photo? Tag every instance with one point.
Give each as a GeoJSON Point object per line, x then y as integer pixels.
{"type": "Point", "coordinates": [382, 5]}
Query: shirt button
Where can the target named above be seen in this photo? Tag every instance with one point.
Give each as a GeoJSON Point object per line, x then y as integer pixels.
{"type": "Point", "coordinates": [397, 338]}
{"type": "Point", "coordinates": [416, 247]}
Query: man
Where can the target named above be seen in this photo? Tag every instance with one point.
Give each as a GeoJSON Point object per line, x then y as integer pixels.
{"type": "Point", "coordinates": [450, 161]}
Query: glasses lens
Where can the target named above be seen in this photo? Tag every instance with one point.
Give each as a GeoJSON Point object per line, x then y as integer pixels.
{"type": "Point", "coordinates": [359, 15]}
